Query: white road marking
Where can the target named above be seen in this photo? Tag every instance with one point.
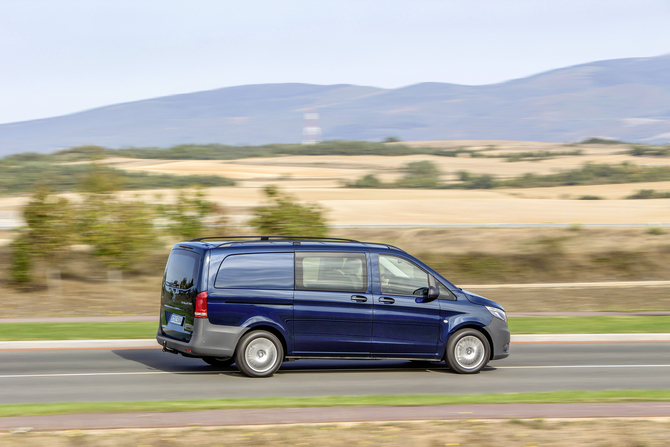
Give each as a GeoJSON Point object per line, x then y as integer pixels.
{"type": "Point", "coordinates": [146, 373]}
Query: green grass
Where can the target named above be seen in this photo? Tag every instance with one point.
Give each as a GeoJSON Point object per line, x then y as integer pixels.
{"type": "Point", "coordinates": [588, 325]}
{"type": "Point", "coordinates": [77, 331]}
{"type": "Point", "coordinates": [519, 325]}
{"type": "Point", "coordinates": [608, 396]}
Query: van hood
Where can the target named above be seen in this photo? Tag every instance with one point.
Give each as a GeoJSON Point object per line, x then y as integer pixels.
{"type": "Point", "coordinates": [478, 299]}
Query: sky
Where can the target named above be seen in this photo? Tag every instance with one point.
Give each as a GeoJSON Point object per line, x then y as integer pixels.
{"type": "Point", "coordinates": [60, 57]}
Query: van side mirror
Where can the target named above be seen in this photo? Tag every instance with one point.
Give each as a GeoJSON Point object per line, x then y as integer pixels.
{"type": "Point", "coordinates": [433, 293]}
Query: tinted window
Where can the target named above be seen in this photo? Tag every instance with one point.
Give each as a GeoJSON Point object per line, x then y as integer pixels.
{"type": "Point", "coordinates": [182, 269]}
{"type": "Point", "coordinates": [401, 277]}
{"type": "Point", "coordinates": [256, 271]}
{"type": "Point", "coordinates": [333, 272]}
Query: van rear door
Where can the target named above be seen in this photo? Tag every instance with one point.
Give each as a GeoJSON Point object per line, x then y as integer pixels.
{"type": "Point", "coordinates": [180, 287]}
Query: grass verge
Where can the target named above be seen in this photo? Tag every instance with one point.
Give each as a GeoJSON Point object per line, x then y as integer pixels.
{"type": "Point", "coordinates": [77, 331]}
{"type": "Point", "coordinates": [520, 325]}
{"type": "Point", "coordinates": [588, 325]}
{"type": "Point", "coordinates": [607, 396]}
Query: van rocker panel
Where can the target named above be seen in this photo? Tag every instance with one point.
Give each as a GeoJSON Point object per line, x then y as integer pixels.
{"type": "Point", "coordinates": [208, 340]}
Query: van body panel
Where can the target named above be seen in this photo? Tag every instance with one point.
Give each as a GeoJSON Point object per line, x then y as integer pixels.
{"type": "Point", "coordinates": [331, 323]}
{"type": "Point", "coordinates": [409, 326]}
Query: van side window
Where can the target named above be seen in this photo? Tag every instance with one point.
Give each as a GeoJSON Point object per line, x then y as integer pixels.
{"type": "Point", "coordinates": [332, 272]}
{"type": "Point", "coordinates": [256, 271]}
{"type": "Point", "coordinates": [445, 294]}
{"type": "Point", "coordinates": [400, 277]}
{"type": "Point", "coordinates": [182, 269]}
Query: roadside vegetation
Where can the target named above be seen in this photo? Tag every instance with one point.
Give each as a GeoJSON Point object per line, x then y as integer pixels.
{"type": "Point", "coordinates": [122, 234]}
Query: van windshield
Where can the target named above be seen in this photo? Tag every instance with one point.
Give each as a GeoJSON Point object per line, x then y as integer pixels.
{"type": "Point", "coordinates": [182, 269]}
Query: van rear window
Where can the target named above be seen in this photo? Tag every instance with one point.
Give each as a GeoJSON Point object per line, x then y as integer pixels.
{"type": "Point", "coordinates": [266, 271]}
{"type": "Point", "coordinates": [182, 269]}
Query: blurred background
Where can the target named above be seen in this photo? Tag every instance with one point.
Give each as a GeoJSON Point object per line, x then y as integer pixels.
{"type": "Point", "coordinates": [521, 148]}
{"type": "Point", "coordinates": [502, 143]}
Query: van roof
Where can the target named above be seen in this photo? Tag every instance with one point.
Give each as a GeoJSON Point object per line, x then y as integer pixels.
{"type": "Point", "coordinates": [228, 241]}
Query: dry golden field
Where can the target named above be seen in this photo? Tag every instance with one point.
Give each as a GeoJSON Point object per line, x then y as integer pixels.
{"type": "Point", "coordinates": [320, 179]}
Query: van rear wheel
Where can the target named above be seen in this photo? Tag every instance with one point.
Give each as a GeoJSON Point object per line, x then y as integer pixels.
{"type": "Point", "coordinates": [468, 351]}
{"type": "Point", "coordinates": [259, 354]}
{"type": "Point", "coordinates": [220, 362]}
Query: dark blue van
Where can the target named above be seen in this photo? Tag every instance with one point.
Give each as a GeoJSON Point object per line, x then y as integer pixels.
{"type": "Point", "coordinates": [257, 301]}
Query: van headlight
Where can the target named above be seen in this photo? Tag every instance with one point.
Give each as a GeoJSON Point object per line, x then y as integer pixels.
{"type": "Point", "coordinates": [498, 313]}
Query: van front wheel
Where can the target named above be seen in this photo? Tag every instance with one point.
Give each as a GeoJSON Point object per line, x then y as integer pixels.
{"type": "Point", "coordinates": [468, 351]}
{"type": "Point", "coordinates": [259, 354]}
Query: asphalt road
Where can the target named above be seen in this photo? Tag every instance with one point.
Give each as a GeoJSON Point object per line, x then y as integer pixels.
{"type": "Point", "coordinates": [149, 374]}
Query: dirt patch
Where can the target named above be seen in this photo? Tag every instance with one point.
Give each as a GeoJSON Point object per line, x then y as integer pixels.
{"type": "Point", "coordinates": [473, 433]}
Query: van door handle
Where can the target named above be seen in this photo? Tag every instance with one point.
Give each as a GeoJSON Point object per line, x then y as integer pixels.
{"type": "Point", "coordinates": [362, 299]}
{"type": "Point", "coordinates": [386, 300]}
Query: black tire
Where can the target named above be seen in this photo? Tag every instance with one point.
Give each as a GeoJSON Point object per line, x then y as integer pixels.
{"type": "Point", "coordinates": [222, 363]}
{"type": "Point", "coordinates": [468, 351]}
{"type": "Point", "coordinates": [259, 354]}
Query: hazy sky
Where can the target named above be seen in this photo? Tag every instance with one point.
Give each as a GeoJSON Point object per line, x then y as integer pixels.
{"type": "Point", "coordinates": [59, 57]}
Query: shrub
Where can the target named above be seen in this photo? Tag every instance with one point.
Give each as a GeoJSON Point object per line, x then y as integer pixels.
{"type": "Point", "coordinates": [420, 174]}
{"type": "Point", "coordinates": [283, 215]}
{"type": "Point", "coordinates": [367, 181]}
{"type": "Point", "coordinates": [190, 213]}
{"type": "Point", "coordinates": [650, 194]}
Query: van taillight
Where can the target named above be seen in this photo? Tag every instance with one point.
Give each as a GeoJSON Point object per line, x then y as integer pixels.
{"type": "Point", "coordinates": [201, 305]}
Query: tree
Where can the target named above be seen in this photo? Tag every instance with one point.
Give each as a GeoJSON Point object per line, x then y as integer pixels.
{"type": "Point", "coordinates": [367, 181]}
{"type": "Point", "coordinates": [120, 232]}
{"type": "Point", "coordinates": [191, 212]}
{"type": "Point", "coordinates": [283, 215]}
{"type": "Point", "coordinates": [50, 231]}
{"type": "Point", "coordinates": [420, 174]}
{"type": "Point", "coordinates": [22, 260]}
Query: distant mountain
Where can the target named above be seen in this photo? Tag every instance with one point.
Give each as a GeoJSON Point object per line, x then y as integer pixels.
{"type": "Point", "coordinates": [623, 99]}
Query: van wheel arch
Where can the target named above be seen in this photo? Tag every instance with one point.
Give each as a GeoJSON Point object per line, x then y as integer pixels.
{"type": "Point", "coordinates": [261, 327]}
{"type": "Point", "coordinates": [477, 328]}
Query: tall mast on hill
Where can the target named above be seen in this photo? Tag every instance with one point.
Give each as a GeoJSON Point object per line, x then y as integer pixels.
{"type": "Point", "coordinates": [311, 130]}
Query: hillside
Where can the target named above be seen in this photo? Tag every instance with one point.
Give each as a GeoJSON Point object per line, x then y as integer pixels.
{"type": "Point", "coordinates": [625, 99]}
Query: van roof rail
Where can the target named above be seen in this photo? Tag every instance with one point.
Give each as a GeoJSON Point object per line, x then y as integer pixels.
{"type": "Point", "coordinates": [268, 238]}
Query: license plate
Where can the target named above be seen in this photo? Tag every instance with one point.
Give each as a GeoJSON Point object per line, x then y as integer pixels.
{"type": "Point", "coordinates": [176, 319]}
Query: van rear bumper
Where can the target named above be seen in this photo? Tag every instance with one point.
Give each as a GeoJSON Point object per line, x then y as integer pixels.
{"type": "Point", "coordinates": [207, 340]}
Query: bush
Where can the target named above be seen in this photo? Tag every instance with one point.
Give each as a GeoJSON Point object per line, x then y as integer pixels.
{"type": "Point", "coordinates": [656, 231]}
{"type": "Point", "coordinates": [367, 181]}
{"type": "Point", "coordinates": [282, 215]}
{"type": "Point", "coordinates": [22, 260]}
{"type": "Point", "coordinates": [649, 151]}
{"type": "Point", "coordinates": [189, 214]}
{"type": "Point", "coordinates": [650, 194]}
{"type": "Point", "coordinates": [420, 174]}
{"type": "Point", "coordinates": [590, 197]}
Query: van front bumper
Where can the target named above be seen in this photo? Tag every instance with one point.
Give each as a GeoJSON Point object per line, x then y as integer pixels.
{"type": "Point", "coordinates": [207, 340]}
{"type": "Point", "coordinates": [499, 333]}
